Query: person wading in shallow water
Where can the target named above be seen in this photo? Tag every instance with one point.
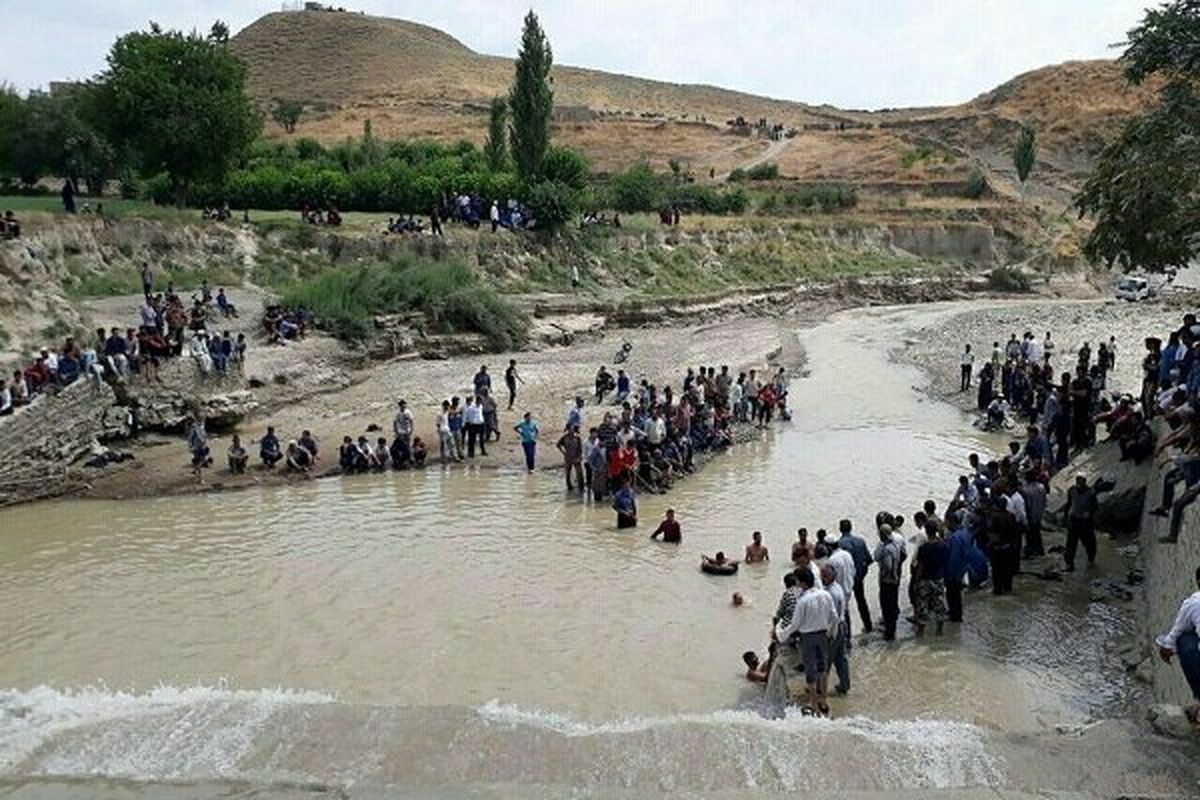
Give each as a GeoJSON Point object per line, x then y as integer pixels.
{"type": "Point", "coordinates": [756, 551]}
{"type": "Point", "coordinates": [1182, 641]}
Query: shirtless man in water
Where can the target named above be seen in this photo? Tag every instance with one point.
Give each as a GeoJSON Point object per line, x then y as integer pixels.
{"type": "Point", "coordinates": [755, 551]}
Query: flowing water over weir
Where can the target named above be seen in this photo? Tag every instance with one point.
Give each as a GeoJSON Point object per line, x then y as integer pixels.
{"type": "Point", "coordinates": [460, 628]}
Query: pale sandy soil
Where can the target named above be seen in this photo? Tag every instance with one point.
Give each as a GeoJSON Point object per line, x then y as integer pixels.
{"type": "Point", "coordinates": [552, 378]}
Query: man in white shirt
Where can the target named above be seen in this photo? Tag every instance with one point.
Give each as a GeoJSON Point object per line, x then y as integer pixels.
{"type": "Point", "coordinates": [51, 361]}
{"type": "Point", "coordinates": [842, 563]}
{"type": "Point", "coordinates": [656, 429]}
{"type": "Point", "coordinates": [1182, 640]}
{"type": "Point", "coordinates": [1016, 505]}
{"type": "Point", "coordinates": [402, 427]}
{"type": "Point", "coordinates": [840, 650]}
{"type": "Point", "coordinates": [804, 639]}
{"type": "Point", "coordinates": [966, 366]}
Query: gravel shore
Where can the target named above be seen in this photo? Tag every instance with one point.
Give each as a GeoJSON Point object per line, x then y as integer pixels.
{"type": "Point", "coordinates": [936, 347]}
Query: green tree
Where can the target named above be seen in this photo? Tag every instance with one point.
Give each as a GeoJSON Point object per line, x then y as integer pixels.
{"type": "Point", "coordinates": [219, 33]}
{"type": "Point", "coordinates": [1025, 155]}
{"type": "Point", "coordinates": [1144, 192]}
{"type": "Point", "coordinates": [180, 102]}
{"type": "Point", "coordinates": [531, 100]}
{"type": "Point", "coordinates": [566, 167]}
{"type": "Point", "coordinates": [496, 146]}
{"type": "Point", "coordinates": [287, 113]}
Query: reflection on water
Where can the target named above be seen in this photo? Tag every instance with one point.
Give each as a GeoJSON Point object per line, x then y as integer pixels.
{"type": "Point", "coordinates": [456, 588]}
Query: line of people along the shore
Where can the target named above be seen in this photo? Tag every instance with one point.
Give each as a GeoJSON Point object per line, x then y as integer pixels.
{"type": "Point", "coordinates": [647, 436]}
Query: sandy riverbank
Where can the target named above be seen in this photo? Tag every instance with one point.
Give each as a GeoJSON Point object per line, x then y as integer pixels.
{"type": "Point", "coordinates": [552, 377]}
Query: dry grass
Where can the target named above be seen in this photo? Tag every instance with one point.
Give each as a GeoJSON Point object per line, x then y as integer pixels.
{"type": "Point", "coordinates": [412, 81]}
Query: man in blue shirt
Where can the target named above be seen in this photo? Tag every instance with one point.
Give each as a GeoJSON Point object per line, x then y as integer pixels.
{"type": "Point", "coordinates": [856, 546]}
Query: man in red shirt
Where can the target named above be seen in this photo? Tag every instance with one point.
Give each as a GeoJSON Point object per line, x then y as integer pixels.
{"type": "Point", "coordinates": [668, 529]}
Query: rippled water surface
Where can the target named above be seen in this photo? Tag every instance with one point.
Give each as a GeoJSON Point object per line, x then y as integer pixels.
{"type": "Point", "coordinates": [489, 590]}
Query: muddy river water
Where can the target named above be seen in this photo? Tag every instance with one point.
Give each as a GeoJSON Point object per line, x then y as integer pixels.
{"type": "Point", "coordinates": [475, 628]}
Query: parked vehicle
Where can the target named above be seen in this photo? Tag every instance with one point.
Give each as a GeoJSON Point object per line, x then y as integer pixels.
{"type": "Point", "coordinates": [1133, 289]}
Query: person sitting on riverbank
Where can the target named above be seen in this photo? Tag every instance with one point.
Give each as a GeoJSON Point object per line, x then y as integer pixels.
{"type": "Point", "coordinates": [352, 457]}
{"type": "Point", "coordinates": [269, 450]}
{"type": "Point", "coordinates": [237, 456]}
{"type": "Point", "coordinates": [297, 459]}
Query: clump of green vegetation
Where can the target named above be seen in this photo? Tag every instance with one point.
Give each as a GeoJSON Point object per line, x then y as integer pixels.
{"type": "Point", "coordinates": [977, 185]}
{"type": "Point", "coordinates": [55, 330]}
{"type": "Point", "coordinates": [448, 293]}
{"type": "Point", "coordinates": [760, 172]}
{"type": "Point", "coordinates": [84, 282]}
{"type": "Point", "coordinates": [1009, 279]}
{"type": "Point", "coordinates": [926, 151]}
{"type": "Point", "coordinates": [823, 197]}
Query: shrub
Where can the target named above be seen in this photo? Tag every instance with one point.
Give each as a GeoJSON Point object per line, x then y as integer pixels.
{"type": "Point", "coordinates": [737, 175]}
{"type": "Point", "coordinates": [636, 189]}
{"type": "Point", "coordinates": [564, 166]}
{"type": "Point", "coordinates": [977, 185]}
{"type": "Point", "coordinates": [825, 197]}
{"type": "Point", "coordinates": [551, 204]}
{"type": "Point", "coordinates": [344, 299]}
{"type": "Point", "coordinates": [707, 200]}
{"type": "Point", "coordinates": [1009, 279]}
{"type": "Point", "coordinates": [763, 172]}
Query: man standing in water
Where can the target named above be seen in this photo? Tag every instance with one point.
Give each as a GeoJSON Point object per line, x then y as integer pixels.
{"type": "Point", "coordinates": [571, 446]}
{"type": "Point", "coordinates": [668, 529]}
{"type": "Point", "coordinates": [856, 546]}
{"type": "Point", "coordinates": [1080, 508]}
{"type": "Point", "coordinates": [840, 649]}
{"type": "Point", "coordinates": [402, 427]}
{"type": "Point", "coordinates": [527, 429]}
{"type": "Point", "coordinates": [1182, 641]}
{"type": "Point", "coordinates": [808, 633]}
{"type": "Point", "coordinates": [889, 555]}
{"type": "Point", "coordinates": [755, 551]}
{"type": "Point", "coordinates": [510, 380]}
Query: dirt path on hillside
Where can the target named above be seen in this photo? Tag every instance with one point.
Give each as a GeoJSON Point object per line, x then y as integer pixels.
{"type": "Point", "coordinates": [772, 151]}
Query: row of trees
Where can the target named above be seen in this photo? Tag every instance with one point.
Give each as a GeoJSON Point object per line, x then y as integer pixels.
{"type": "Point", "coordinates": [168, 103]}
{"type": "Point", "coordinates": [170, 117]}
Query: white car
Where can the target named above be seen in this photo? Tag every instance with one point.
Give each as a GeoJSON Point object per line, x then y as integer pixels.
{"type": "Point", "coordinates": [1133, 289]}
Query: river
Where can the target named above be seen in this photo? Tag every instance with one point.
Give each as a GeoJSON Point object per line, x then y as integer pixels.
{"type": "Point", "coordinates": [465, 628]}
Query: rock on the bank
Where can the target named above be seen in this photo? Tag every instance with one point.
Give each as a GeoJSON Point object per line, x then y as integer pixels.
{"type": "Point", "coordinates": [1170, 720]}
{"type": "Point", "coordinates": [169, 411]}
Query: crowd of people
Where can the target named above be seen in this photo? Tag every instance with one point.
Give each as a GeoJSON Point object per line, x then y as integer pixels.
{"type": "Point", "coordinates": [166, 329]}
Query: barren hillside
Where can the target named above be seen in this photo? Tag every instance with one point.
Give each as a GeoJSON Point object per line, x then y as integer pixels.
{"type": "Point", "coordinates": [413, 80]}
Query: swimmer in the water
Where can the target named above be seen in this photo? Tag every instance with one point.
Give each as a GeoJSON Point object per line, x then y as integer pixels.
{"type": "Point", "coordinates": [738, 600]}
{"type": "Point", "coordinates": [755, 551]}
{"type": "Point", "coordinates": [719, 562]}
{"type": "Point", "coordinates": [756, 672]}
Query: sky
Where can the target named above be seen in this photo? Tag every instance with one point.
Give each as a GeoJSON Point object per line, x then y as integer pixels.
{"type": "Point", "coordinates": [849, 53]}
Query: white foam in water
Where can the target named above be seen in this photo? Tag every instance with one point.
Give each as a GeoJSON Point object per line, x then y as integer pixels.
{"type": "Point", "coordinates": [29, 719]}
{"type": "Point", "coordinates": [791, 752]}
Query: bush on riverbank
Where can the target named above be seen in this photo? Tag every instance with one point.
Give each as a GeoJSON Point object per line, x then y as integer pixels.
{"type": "Point", "coordinates": [448, 293]}
{"type": "Point", "coordinates": [1009, 279]}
